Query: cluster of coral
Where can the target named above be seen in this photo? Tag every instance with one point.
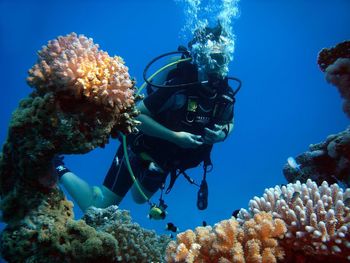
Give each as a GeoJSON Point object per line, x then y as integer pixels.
{"type": "Point", "coordinates": [135, 244]}
{"type": "Point", "coordinates": [256, 240]}
{"type": "Point", "coordinates": [335, 62]}
{"type": "Point", "coordinates": [68, 112]}
{"type": "Point", "coordinates": [317, 219]}
{"type": "Point", "coordinates": [293, 223]}
{"type": "Point", "coordinates": [50, 234]}
{"type": "Point", "coordinates": [81, 98]}
{"type": "Point", "coordinates": [327, 161]}
{"type": "Point", "coordinates": [75, 66]}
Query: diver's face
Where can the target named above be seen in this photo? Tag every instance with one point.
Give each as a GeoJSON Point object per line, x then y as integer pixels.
{"type": "Point", "coordinates": [211, 56]}
{"type": "Point", "coordinates": [217, 62]}
{"type": "Point", "coordinates": [214, 63]}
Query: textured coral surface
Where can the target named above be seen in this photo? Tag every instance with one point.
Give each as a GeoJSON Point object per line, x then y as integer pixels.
{"type": "Point", "coordinates": [63, 115]}
{"type": "Point", "coordinates": [253, 241]}
{"type": "Point", "coordinates": [75, 64]}
{"type": "Point", "coordinates": [326, 161]}
{"type": "Point", "coordinates": [81, 98]}
{"type": "Point", "coordinates": [293, 223]}
{"type": "Point", "coordinates": [317, 220]}
{"type": "Point", "coordinates": [335, 62]}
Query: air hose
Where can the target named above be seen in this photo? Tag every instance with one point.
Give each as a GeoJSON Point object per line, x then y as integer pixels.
{"type": "Point", "coordinates": [148, 82]}
{"type": "Point", "coordinates": [127, 161]}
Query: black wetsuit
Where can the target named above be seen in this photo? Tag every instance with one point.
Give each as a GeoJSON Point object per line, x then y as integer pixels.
{"type": "Point", "coordinates": [189, 109]}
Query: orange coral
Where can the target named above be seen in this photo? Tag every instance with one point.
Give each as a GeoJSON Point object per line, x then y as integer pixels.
{"type": "Point", "coordinates": [293, 223]}
{"type": "Point", "coordinates": [254, 241]}
{"type": "Point", "coordinates": [74, 65]}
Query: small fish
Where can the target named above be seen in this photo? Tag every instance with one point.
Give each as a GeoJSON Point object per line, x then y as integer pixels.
{"type": "Point", "coordinates": [235, 213]}
{"type": "Point", "coordinates": [293, 163]}
{"type": "Point", "coordinates": [171, 227]}
{"type": "Point", "coordinates": [156, 213]}
{"type": "Point", "coordinates": [295, 196]}
{"type": "Point", "coordinates": [171, 236]}
{"type": "Point", "coordinates": [204, 223]}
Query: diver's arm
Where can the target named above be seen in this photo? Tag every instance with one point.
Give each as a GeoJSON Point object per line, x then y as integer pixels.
{"type": "Point", "coordinates": [151, 127]}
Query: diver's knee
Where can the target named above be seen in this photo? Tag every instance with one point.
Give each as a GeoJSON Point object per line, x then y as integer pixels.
{"type": "Point", "coordinates": [103, 197]}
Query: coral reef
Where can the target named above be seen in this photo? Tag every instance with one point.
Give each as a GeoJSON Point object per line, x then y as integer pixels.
{"type": "Point", "coordinates": [49, 234]}
{"type": "Point", "coordinates": [328, 56]}
{"type": "Point", "coordinates": [134, 243]}
{"type": "Point", "coordinates": [75, 65]}
{"type": "Point", "coordinates": [293, 223]}
{"type": "Point", "coordinates": [317, 220]}
{"type": "Point", "coordinates": [227, 241]}
{"type": "Point", "coordinates": [326, 161]}
{"type": "Point", "coordinates": [335, 62]}
{"type": "Point", "coordinates": [81, 98]}
{"type": "Point", "coordinates": [65, 114]}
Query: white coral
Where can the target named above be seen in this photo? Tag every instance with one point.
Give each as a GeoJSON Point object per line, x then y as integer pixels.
{"type": "Point", "coordinates": [311, 213]}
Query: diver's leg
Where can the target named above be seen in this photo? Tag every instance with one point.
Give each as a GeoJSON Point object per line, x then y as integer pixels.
{"type": "Point", "coordinates": [118, 180]}
{"type": "Point", "coordinates": [150, 180]}
{"type": "Point", "coordinates": [115, 186]}
{"type": "Point", "coordinates": [85, 195]}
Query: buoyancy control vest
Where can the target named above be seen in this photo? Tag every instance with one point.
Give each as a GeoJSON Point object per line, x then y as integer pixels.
{"type": "Point", "coordinates": [197, 107]}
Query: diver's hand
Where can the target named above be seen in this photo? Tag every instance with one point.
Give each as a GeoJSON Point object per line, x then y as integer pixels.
{"type": "Point", "coordinates": [187, 140]}
{"type": "Point", "coordinates": [214, 135]}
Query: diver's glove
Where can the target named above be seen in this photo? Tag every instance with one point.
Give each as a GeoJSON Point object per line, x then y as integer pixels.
{"type": "Point", "coordinates": [59, 165]}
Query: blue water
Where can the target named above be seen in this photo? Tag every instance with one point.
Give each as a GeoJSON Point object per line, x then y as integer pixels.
{"type": "Point", "coordinates": [284, 105]}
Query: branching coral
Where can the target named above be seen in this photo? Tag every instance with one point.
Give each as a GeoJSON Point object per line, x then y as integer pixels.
{"type": "Point", "coordinates": [227, 241]}
{"type": "Point", "coordinates": [293, 223]}
{"type": "Point", "coordinates": [317, 219]}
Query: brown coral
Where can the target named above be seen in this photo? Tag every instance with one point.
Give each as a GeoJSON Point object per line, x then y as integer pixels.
{"type": "Point", "coordinates": [254, 241]}
{"type": "Point", "coordinates": [328, 161]}
{"type": "Point", "coordinates": [338, 74]}
{"type": "Point", "coordinates": [49, 234]}
{"type": "Point", "coordinates": [328, 56]}
{"type": "Point", "coordinates": [335, 62]}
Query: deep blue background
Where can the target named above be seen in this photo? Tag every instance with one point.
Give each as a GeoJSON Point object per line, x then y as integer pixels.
{"type": "Point", "coordinates": [284, 105]}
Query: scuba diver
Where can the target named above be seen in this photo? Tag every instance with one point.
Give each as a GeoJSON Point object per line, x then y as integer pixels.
{"type": "Point", "coordinates": [180, 119]}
